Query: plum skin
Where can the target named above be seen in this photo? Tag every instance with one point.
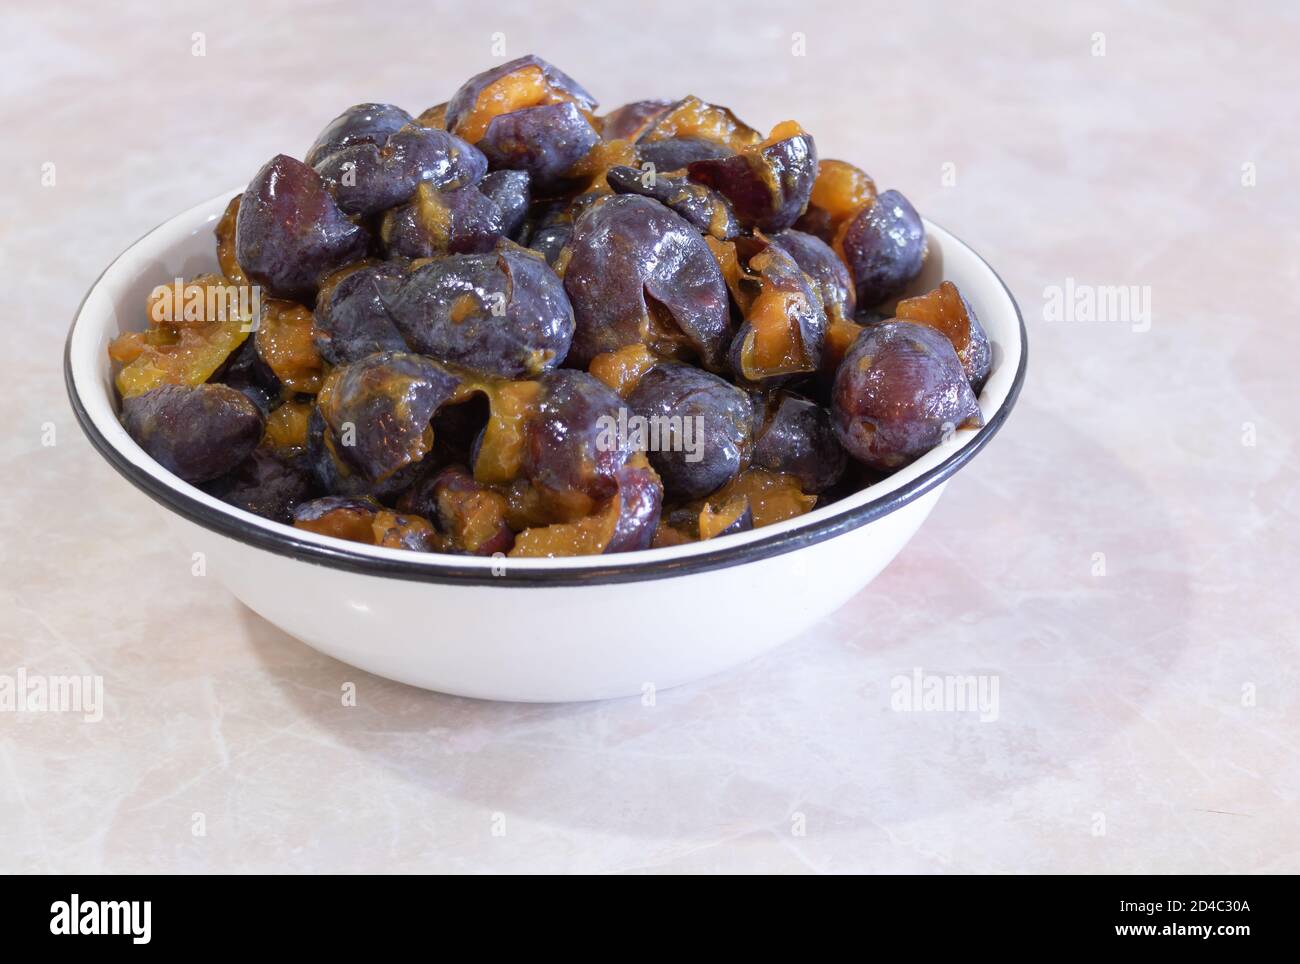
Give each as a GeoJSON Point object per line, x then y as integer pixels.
{"type": "Point", "coordinates": [722, 412]}
{"type": "Point", "coordinates": [704, 207]}
{"type": "Point", "coordinates": [367, 178]}
{"type": "Point", "coordinates": [564, 449]}
{"type": "Point", "coordinates": [640, 501]}
{"type": "Point", "coordinates": [899, 391]}
{"type": "Point", "coordinates": [797, 439]}
{"type": "Point", "coordinates": [503, 313]}
{"type": "Point", "coordinates": [818, 261]}
{"type": "Point", "coordinates": [884, 248]}
{"type": "Point", "coordinates": [289, 233]}
{"type": "Point", "coordinates": [352, 320]}
{"type": "Point", "coordinates": [267, 483]}
{"type": "Point", "coordinates": [768, 187]}
{"type": "Point", "coordinates": [631, 119]}
{"type": "Point", "coordinates": [197, 433]}
{"type": "Point", "coordinates": [359, 124]}
{"type": "Point", "coordinates": [626, 249]}
{"type": "Point", "coordinates": [377, 410]}
{"type": "Point", "coordinates": [511, 191]}
{"type": "Point", "coordinates": [545, 141]}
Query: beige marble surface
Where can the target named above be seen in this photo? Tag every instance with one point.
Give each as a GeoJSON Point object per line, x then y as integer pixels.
{"type": "Point", "coordinates": [1149, 718]}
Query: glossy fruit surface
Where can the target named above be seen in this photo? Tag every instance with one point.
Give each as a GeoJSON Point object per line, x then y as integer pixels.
{"type": "Point", "coordinates": [768, 184]}
{"type": "Point", "coordinates": [784, 326]}
{"type": "Point", "coordinates": [290, 234]}
{"type": "Point", "coordinates": [795, 438]}
{"type": "Point", "coordinates": [377, 410]}
{"type": "Point", "coordinates": [503, 313]}
{"type": "Point", "coordinates": [197, 433]}
{"type": "Point", "coordinates": [884, 248]}
{"type": "Point", "coordinates": [899, 392]}
{"type": "Point", "coordinates": [945, 310]}
{"type": "Point", "coordinates": [638, 273]}
{"type": "Point", "coordinates": [698, 427]}
{"type": "Point", "coordinates": [352, 318]}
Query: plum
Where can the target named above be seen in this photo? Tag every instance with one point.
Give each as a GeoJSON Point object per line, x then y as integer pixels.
{"type": "Point", "coordinates": [784, 327]}
{"type": "Point", "coordinates": [196, 433]}
{"type": "Point", "coordinates": [190, 353]}
{"type": "Point", "coordinates": [546, 141]}
{"type": "Point", "coordinates": [819, 262]}
{"type": "Point", "coordinates": [734, 515]}
{"type": "Point", "coordinates": [703, 207]}
{"type": "Point", "coordinates": [225, 232]}
{"type": "Point", "coordinates": [342, 517]}
{"type": "Point", "coordinates": [367, 178]}
{"type": "Point", "coordinates": [637, 272]}
{"type": "Point", "coordinates": [702, 425]}
{"type": "Point", "coordinates": [470, 517]}
{"type": "Point", "coordinates": [377, 410]}
{"type": "Point", "coordinates": [461, 221]}
{"type": "Point", "coordinates": [524, 82]}
{"type": "Point", "coordinates": [290, 234]}
{"type": "Point", "coordinates": [267, 483]}
{"type": "Point", "coordinates": [503, 313]}
{"type": "Point", "coordinates": [244, 371]}
{"type": "Point", "coordinates": [435, 117]}
{"type": "Point", "coordinates": [639, 500]}
{"type": "Point", "coordinates": [772, 496]}
{"type": "Point", "coordinates": [630, 120]}
{"type": "Point", "coordinates": [678, 153]}
{"type": "Point", "coordinates": [945, 310]}
{"type": "Point", "coordinates": [285, 345]}
{"type": "Point", "coordinates": [706, 519]}
{"type": "Point", "coordinates": [884, 248]}
{"type": "Point", "coordinates": [795, 438]}
{"type": "Point", "coordinates": [839, 192]}
{"type": "Point", "coordinates": [359, 124]}
{"type": "Point", "coordinates": [549, 232]}
{"type": "Point", "coordinates": [526, 115]}
{"type": "Point", "coordinates": [394, 530]}
{"type": "Point", "coordinates": [337, 476]}
{"type": "Point", "coordinates": [511, 191]}
{"type": "Point", "coordinates": [898, 393]}
{"type": "Point", "coordinates": [352, 319]}
{"type": "Point", "coordinates": [571, 442]}
{"type": "Point", "coordinates": [692, 130]}
{"type": "Point", "coordinates": [366, 521]}
{"type": "Point", "coordinates": [625, 521]}
{"type": "Point", "coordinates": [768, 184]}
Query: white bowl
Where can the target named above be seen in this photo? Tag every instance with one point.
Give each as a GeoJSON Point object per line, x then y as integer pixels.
{"type": "Point", "coordinates": [532, 629]}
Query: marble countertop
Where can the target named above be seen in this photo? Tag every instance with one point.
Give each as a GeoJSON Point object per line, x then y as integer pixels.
{"type": "Point", "coordinates": [1122, 558]}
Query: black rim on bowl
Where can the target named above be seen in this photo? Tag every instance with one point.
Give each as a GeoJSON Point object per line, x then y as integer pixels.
{"type": "Point", "coordinates": [284, 540]}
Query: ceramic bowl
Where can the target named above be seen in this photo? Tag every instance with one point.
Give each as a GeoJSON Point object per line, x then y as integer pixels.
{"type": "Point", "coordinates": [532, 629]}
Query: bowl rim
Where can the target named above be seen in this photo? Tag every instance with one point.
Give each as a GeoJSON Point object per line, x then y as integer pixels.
{"type": "Point", "coordinates": [447, 569]}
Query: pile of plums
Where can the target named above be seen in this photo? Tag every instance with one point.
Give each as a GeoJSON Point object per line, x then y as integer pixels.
{"type": "Point", "coordinates": [464, 317]}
